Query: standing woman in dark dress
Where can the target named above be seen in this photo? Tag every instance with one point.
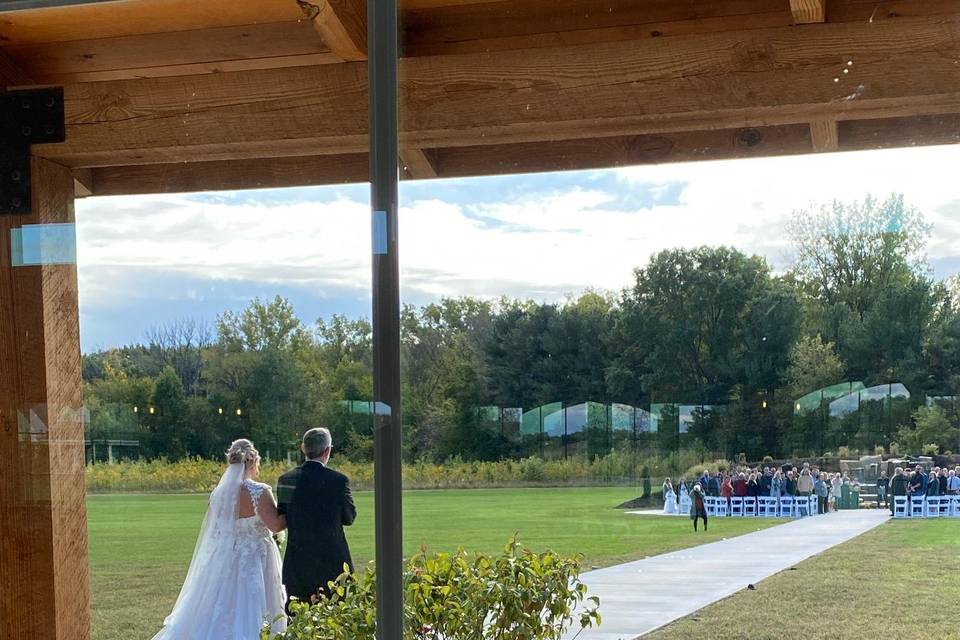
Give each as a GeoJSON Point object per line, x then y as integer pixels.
{"type": "Point", "coordinates": [698, 507]}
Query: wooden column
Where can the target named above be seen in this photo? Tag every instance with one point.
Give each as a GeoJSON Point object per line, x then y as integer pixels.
{"type": "Point", "coordinates": [44, 576]}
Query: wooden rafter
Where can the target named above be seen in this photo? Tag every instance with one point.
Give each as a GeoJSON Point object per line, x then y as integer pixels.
{"type": "Point", "coordinates": [342, 24]}
{"type": "Point", "coordinates": [824, 135]}
{"type": "Point", "coordinates": [720, 81]}
{"type": "Point", "coordinates": [11, 74]}
{"type": "Point", "coordinates": [418, 164]}
{"type": "Point", "coordinates": [809, 11]}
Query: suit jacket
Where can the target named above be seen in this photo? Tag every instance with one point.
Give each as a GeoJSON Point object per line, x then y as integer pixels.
{"type": "Point", "coordinates": [318, 504]}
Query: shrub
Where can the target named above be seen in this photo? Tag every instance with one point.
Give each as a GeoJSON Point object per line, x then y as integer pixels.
{"type": "Point", "coordinates": [879, 450]}
{"type": "Point", "coordinates": [931, 449]}
{"type": "Point", "coordinates": [767, 460]}
{"type": "Point", "coordinates": [518, 594]}
{"type": "Point", "coordinates": [844, 453]}
{"type": "Point", "coordinates": [894, 449]}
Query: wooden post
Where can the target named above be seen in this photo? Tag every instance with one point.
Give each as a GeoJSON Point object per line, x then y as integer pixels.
{"type": "Point", "coordinates": [44, 575]}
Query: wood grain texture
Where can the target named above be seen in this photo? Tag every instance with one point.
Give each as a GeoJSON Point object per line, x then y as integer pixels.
{"type": "Point", "coordinates": [688, 83]}
{"type": "Point", "coordinates": [44, 591]}
{"type": "Point", "coordinates": [887, 133]}
{"type": "Point", "coordinates": [136, 17]}
{"type": "Point", "coordinates": [824, 135]}
{"type": "Point", "coordinates": [808, 11]}
{"type": "Point", "coordinates": [343, 26]}
{"type": "Point", "coordinates": [223, 49]}
{"type": "Point", "coordinates": [418, 164]}
{"type": "Point", "coordinates": [498, 26]}
{"type": "Point", "coordinates": [11, 73]}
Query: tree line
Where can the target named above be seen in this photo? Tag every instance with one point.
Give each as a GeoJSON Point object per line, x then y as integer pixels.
{"type": "Point", "coordinates": [707, 325]}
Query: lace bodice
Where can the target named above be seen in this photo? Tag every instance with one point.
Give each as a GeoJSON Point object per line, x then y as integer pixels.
{"type": "Point", "coordinates": [254, 527]}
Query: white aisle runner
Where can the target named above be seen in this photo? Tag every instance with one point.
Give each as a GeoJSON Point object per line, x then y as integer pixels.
{"type": "Point", "coordinates": [638, 597]}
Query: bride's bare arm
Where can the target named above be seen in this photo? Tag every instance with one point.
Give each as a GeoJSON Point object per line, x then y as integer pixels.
{"type": "Point", "coordinates": [268, 513]}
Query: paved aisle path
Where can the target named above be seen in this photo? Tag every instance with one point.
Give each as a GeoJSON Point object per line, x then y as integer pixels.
{"type": "Point", "coordinates": [638, 597]}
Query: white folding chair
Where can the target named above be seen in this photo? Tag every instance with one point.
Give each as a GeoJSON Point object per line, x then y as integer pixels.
{"type": "Point", "coordinates": [750, 507]}
{"type": "Point", "coordinates": [814, 505]}
{"type": "Point", "coordinates": [900, 507]}
{"type": "Point", "coordinates": [933, 507]}
{"type": "Point", "coordinates": [945, 503]}
{"type": "Point", "coordinates": [802, 507]}
{"type": "Point", "coordinates": [723, 507]}
{"type": "Point", "coordinates": [787, 507]}
{"type": "Point", "coordinates": [709, 503]}
{"type": "Point", "coordinates": [736, 507]}
{"type": "Point", "coordinates": [918, 506]}
{"type": "Point", "coordinates": [955, 507]}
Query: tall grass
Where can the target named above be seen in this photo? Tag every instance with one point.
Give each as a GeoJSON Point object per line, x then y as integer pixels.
{"type": "Point", "coordinates": [196, 475]}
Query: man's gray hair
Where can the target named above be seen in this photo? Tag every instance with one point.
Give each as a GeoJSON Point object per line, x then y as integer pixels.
{"type": "Point", "coordinates": [316, 441]}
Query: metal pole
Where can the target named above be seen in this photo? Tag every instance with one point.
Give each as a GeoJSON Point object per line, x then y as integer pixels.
{"type": "Point", "coordinates": [384, 191]}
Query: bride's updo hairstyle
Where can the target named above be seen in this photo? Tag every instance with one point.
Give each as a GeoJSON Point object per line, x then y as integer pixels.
{"type": "Point", "coordinates": [242, 452]}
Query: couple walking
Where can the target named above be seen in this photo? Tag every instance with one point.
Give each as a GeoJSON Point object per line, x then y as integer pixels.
{"type": "Point", "coordinates": [236, 580]}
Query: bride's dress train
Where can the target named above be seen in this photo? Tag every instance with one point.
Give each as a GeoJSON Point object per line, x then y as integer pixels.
{"type": "Point", "coordinates": [234, 582]}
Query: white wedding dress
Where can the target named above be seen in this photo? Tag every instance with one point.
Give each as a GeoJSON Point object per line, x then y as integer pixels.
{"type": "Point", "coordinates": [669, 501]}
{"type": "Point", "coordinates": [233, 585]}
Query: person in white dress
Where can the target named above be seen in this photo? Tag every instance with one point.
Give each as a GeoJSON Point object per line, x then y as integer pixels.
{"type": "Point", "coordinates": [233, 586]}
{"type": "Point", "coordinates": [684, 496]}
{"type": "Point", "coordinates": [669, 498]}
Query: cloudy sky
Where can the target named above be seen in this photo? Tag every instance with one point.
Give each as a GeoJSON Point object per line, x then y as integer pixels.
{"type": "Point", "coordinates": [149, 260]}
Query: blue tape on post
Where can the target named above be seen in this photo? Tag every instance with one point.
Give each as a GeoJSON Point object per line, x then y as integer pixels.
{"type": "Point", "coordinates": [43, 244]}
{"type": "Point", "coordinates": [380, 244]}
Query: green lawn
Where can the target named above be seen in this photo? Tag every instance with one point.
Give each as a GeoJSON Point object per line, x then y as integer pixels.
{"type": "Point", "coordinates": [140, 545]}
{"type": "Point", "coordinates": [900, 580]}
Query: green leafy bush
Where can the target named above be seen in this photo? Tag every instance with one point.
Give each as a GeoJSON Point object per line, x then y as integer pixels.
{"type": "Point", "coordinates": [517, 595]}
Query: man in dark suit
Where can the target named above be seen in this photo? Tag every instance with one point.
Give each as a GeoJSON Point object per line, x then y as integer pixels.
{"type": "Point", "coordinates": [317, 503]}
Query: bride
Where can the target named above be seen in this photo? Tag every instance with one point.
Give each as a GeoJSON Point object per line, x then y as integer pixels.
{"type": "Point", "coordinates": [233, 585]}
{"type": "Point", "coordinates": [669, 498]}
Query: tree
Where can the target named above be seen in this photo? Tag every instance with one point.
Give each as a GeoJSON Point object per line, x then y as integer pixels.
{"type": "Point", "coordinates": [814, 364]}
{"type": "Point", "coordinates": [930, 426]}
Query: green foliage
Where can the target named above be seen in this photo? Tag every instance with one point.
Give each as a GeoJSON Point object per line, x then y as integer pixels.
{"type": "Point", "coordinates": [931, 432]}
{"type": "Point", "coordinates": [518, 594]}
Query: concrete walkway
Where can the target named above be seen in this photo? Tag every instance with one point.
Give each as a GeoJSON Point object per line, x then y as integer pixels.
{"type": "Point", "coordinates": [638, 597]}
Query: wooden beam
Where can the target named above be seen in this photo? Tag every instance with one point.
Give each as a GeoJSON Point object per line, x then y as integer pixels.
{"type": "Point", "coordinates": [342, 24]}
{"type": "Point", "coordinates": [823, 134]}
{"type": "Point", "coordinates": [44, 590]}
{"type": "Point", "coordinates": [265, 173]}
{"type": "Point", "coordinates": [82, 183]}
{"type": "Point", "coordinates": [564, 155]}
{"type": "Point", "coordinates": [117, 19]}
{"type": "Point", "coordinates": [11, 74]}
{"type": "Point", "coordinates": [720, 81]}
{"type": "Point", "coordinates": [808, 11]}
{"type": "Point", "coordinates": [245, 47]}
{"type": "Point", "coordinates": [418, 164]}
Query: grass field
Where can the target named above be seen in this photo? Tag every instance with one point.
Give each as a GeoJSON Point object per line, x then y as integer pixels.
{"type": "Point", "coordinates": [900, 580]}
{"type": "Point", "coordinates": [140, 545]}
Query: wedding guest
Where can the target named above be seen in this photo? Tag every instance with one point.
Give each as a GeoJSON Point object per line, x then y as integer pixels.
{"type": "Point", "coordinates": [953, 483]}
{"type": "Point", "coordinates": [836, 484]}
{"type": "Point", "coordinates": [805, 482]}
{"type": "Point", "coordinates": [765, 481]}
{"type": "Point", "coordinates": [754, 489]}
{"type": "Point", "coordinates": [726, 490]}
{"type": "Point", "coordinates": [942, 477]}
{"type": "Point", "coordinates": [933, 486]}
{"type": "Point", "coordinates": [790, 484]}
{"type": "Point", "coordinates": [883, 483]}
{"type": "Point", "coordinates": [713, 485]}
{"type": "Point", "coordinates": [740, 486]}
{"type": "Point", "coordinates": [776, 484]}
{"type": "Point", "coordinates": [822, 488]}
{"type": "Point", "coordinates": [899, 486]}
{"type": "Point", "coordinates": [698, 507]}
{"type": "Point", "coordinates": [918, 482]}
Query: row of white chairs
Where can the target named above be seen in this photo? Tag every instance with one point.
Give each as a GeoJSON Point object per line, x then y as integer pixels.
{"type": "Point", "coordinates": [926, 506]}
{"type": "Point", "coordinates": [762, 507]}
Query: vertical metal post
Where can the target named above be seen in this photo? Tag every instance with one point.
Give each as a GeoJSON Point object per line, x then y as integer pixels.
{"type": "Point", "coordinates": [384, 179]}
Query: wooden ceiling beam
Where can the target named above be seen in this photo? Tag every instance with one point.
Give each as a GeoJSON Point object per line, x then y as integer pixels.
{"type": "Point", "coordinates": [720, 81]}
{"type": "Point", "coordinates": [809, 11]}
{"type": "Point", "coordinates": [11, 74]}
{"type": "Point", "coordinates": [418, 163]}
{"type": "Point", "coordinates": [565, 155]}
{"type": "Point", "coordinates": [824, 135]}
{"type": "Point", "coordinates": [237, 48]}
{"type": "Point", "coordinates": [342, 24]}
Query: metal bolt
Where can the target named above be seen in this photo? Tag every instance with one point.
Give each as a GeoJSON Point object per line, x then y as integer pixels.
{"type": "Point", "coordinates": [15, 202]}
{"type": "Point", "coordinates": [15, 176]}
{"type": "Point", "coordinates": [25, 103]}
{"type": "Point", "coordinates": [26, 130]}
{"type": "Point", "coordinates": [50, 101]}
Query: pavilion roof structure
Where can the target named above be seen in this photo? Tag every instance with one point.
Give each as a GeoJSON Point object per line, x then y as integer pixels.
{"type": "Point", "coordinates": [181, 95]}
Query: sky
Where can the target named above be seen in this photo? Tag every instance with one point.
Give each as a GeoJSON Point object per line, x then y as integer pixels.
{"type": "Point", "coordinates": [147, 260]}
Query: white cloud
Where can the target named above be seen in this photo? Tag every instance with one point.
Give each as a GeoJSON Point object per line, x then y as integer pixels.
{"type": "Point", "coordinates": [535, 243]}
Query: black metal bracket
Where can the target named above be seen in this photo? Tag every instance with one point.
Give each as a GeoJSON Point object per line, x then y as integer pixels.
{"type": "Point", "coordinates": [27, 117]}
